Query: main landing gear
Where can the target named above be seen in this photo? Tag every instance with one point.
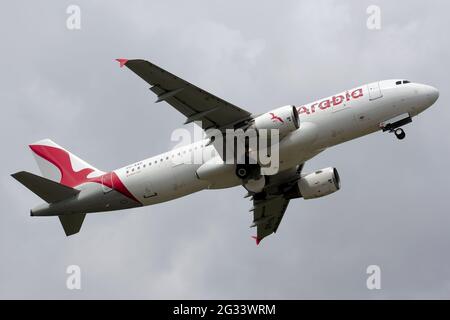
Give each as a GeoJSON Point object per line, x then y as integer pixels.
{"type": "Point", "coordinates": [247, 171]}
{"type": "Point", "coordinates": [242, 172]}
{"type": "Point", "coordinates": [400, 133]}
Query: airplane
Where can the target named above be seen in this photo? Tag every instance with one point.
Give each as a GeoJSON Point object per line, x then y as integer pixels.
{"type": "Point", "coordinates": [71, 187]}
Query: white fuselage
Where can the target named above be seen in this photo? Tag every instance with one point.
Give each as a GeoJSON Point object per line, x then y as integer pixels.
{"type": "Point", "coordinates": [323, 123]}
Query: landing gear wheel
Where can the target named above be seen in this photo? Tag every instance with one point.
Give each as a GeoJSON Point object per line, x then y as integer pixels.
{"type": "Point", "coordinates": [399, 133]}
{"type": "Point", "coordinates": [255, 185]}
{"type": "Point", "coordinates": [248, 171]}
{"type": "Point", "coordinates": [242, 172]}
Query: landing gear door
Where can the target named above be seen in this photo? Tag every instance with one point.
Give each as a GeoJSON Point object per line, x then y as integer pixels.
{"type": "Point", "coordinates": [107, 182]}
{"type": "Point", "coordinates": [374, 91]}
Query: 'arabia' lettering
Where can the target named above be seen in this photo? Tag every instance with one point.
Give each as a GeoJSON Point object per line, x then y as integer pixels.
{"type": "Point", "coordinates": [324, 104]}
{"type": "Point", "coordinates": [303, 109]}
{"type": "Point", "coordinates": [357, 93]}
{"type": "Point", "coordinates": [334, 101]}
{"type": "Point", "coordinates": [337, 100]}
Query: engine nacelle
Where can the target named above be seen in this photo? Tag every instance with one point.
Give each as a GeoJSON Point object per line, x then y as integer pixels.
{"type": "Point", "coordinates": [319, 183]}
{"type": "Point", "coordinates": [217, 173]}
{"type": "Point", "coordinates": [285, 119]}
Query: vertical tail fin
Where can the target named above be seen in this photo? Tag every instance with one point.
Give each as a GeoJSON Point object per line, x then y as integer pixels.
{"type": "Point", "coordinates": [58, 164]}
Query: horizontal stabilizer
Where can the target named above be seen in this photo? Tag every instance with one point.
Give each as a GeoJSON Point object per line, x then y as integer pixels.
{"type": "Point", "coordinates": [72, 223]}
{"type": "Point", "coordinates": [48, 190]}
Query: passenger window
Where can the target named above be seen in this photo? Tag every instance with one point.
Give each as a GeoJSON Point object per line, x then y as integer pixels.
{"type": "Point", "coordinates": [406, 81]}
{"type": "Point", "coordinates": [398, 82]}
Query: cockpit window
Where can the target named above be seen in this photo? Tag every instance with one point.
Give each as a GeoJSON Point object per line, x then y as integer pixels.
{"type": "Point", "coordinates": [402, 82]}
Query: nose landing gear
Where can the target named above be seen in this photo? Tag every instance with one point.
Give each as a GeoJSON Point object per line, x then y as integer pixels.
{"type": "Point", "coordinates": [400, 133]}
{"type": "Point", "coordinates": [394, 124]}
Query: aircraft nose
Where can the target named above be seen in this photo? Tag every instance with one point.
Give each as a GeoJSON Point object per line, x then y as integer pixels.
{"type": "Point", "coordinates": [432, 94]}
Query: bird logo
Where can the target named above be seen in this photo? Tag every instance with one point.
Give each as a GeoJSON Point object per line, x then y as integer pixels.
{"type": "Point", "coordinates": [275, 118]}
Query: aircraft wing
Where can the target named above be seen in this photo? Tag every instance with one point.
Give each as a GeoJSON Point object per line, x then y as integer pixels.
{"type": "Point", "coordinates": [271, 203]}
{"type": "Point", "coordinates": [193, 102]}
{"type": "Point", "coordinates": [267, 215]}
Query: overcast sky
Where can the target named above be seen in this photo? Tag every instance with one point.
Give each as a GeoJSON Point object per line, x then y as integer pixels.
{"type": "Point", "coordinates": [63, 84]}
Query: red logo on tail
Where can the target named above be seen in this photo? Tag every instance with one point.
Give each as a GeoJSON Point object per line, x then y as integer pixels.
{"type": "Point", "coordinates": [71, 178]}
{"type": "Point", "coordinates": [61, 160]}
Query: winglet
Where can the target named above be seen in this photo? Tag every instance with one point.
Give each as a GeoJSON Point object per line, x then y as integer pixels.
{"type": "Point", "coordinates": [257, 240]}
{"type": "Point", "coordinates": [122, 62]}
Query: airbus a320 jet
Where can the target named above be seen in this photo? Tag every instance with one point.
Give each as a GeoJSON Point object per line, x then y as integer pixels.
{"type": "Point", "coordinates": [71, 187]}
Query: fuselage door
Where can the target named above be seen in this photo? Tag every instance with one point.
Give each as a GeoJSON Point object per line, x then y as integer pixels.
{"type": "Point", "coordinates": [374, 90]}
{"type": "Point", "coordinates": [107, 182]}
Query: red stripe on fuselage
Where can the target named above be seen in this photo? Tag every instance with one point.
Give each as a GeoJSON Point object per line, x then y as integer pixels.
{"type": "Point", "coordinates": [113, 181]}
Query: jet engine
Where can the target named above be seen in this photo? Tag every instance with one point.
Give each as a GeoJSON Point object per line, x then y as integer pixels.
{"type": "Point", "coordinates": [319, 183]}
{"type": "Point", "coordinates": [285, 119]}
